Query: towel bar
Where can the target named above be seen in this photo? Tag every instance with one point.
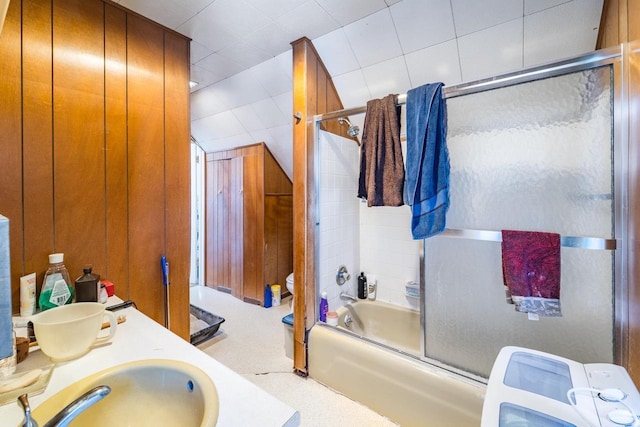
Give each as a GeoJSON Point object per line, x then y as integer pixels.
{"type": "Point", "coordinates": [566, 241]}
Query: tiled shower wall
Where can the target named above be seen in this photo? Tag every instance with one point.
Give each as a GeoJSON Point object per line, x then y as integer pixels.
{"type": "Point", "coordinates": [375, 240]}
{"type": "Point", "coordinates": [338, 209]}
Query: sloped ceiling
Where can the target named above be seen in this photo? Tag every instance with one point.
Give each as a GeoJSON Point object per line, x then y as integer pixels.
{"type": "Point", "coordinates": [241, 53]}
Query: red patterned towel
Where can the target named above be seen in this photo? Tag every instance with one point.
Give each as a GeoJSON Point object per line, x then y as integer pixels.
{"type": "Point", "coordinates": [531, 271]}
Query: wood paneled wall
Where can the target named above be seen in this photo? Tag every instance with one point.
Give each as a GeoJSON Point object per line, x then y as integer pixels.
{"type": "Point", "coordinates": [620, 23]}
{"type": "Point", "coordinates": [95, 148]}
{"type": "Point", "coordinates": [313, 93]}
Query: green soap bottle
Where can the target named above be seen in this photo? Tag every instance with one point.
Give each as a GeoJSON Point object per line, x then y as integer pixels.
{"type": "Point", "coordinates": [56, 287]}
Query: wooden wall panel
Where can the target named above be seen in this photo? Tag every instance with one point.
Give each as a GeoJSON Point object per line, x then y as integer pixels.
{"type": "Point", "coordinates": [253, 226]}
{"type": "Point", "coordinates": [236, 216]}
{"type": "Point", "coordinates": [78, 134]}
{"type": "Point", "coordinates": [209, 223]}
{"type": "Point", "coordinates": [145, 70]}
{"type": "Point", "coordinates": [276, 180]}
{"type": "Point", "coordinates": [37, 139]}
{"type": "Point", "coordinates": [11, 140]}
{"type": "Point", "coordinates": [309, 77]}
{"type": "Point", "coordinates": [117, 226]}
{"type": "Point", "coordinates": [178, 183]}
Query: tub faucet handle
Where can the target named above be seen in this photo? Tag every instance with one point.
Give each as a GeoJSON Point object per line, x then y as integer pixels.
{"type": "Point", "coordinates": [342, 276]}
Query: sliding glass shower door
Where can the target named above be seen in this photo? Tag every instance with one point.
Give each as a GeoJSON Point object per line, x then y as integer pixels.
{"type": "Point", "coordinates": [534, 156]}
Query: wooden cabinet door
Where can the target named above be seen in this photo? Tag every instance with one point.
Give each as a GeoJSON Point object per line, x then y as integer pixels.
{"type": "Point", "coordinates": [236, 217]}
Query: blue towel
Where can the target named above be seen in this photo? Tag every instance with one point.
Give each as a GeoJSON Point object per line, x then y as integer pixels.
{"type": "Point", "coordinates": [426, 187]}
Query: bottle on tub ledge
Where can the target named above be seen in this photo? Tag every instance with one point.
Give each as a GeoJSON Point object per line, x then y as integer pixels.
{"type": "Point", "coordinates": [362, 286]}
{"type": "Point", "coordinates": [324, 307]}
{"type": "Point", "coordinates": [372, 281]}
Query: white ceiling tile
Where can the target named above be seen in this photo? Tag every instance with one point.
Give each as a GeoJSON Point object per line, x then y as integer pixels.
{"type": "Point", "coordinates": [308, 20]}
{"type": "Point", "coordinates": [285, 63]}
{"type": "Point", "coordinates": [410, 17]}
{"type": "Point", "coordinates": [198, 51]}
{"type": "Point", "coordinates": [346, 12]}
{"type": "Point", "coordinates": [247, 116]}
{"type": "Point", "coordinates": [491, 52]}
{"type": "Point", "coordinates": [374, 38]}
{"type": "Point", "coordinates": [273, 80]}
{"type": "Point", "coordinates": [336, 52]}
{"type": "Point", "coordinates": [387, 77]}
{"type": "Point", "coordinates": [170, 13]}
{"type": "Point", "coordinates": [275, 8]}
{"type": "Point", "coordinates": [473, 15]}
{"type": "Point", "coordinates": [203, 77]}
{"type": "Point", "coordinates": [220, 144]}
{"type": "Point", "coordinates": [284, 102]}
{"type": "Point", "coordinates": [437, 63]}
{"type": "Point", "coordinates": [281, 146]}
{"type": "Point", "coordinates": [221, 125]}
{"type": "Point", "coordinates": [533, 6]}
{"type": "Point", "coordinates": [549, 28]}
{"type": "Point", "coordinates": [240, 89]}
{"type": "Point", "coordinates": [392, 2]}
{"type": "Point", "coordinates": [261, 135]}
{"type": "Point", "coordinates": [220, 66]}
{"type": "Point", "coordinates": [269, 113]}
{"type": "Point", "coordinates": [244, 53]}
{"type": "Point", "coordinates": [271, 39]}
{"type": "Point", "coordinates": [352, 88]}
{"type": "Point", "coordinates": [206, 102]}
{"type": "Point", "coordinates": [199, 28]}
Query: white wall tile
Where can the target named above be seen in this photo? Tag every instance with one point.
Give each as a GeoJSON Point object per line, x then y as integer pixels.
{"type": "Point", "coordinates": [423, 23]}
{"type": "Point", "coordinates": [439, 63]}
{"type": "Point", "coordinates": [471, 15]}
{"type": "Point", "coordinates": [374, 38]}
{"type": "Point", "coordinates": [491, 52]}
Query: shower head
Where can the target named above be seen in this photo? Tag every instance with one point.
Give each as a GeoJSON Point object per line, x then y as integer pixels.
{"type": "Point", "coordinates": [353, 130]}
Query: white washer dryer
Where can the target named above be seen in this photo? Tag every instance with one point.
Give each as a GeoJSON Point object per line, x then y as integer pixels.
{"type": "Point", "coordinates": [532, 388]}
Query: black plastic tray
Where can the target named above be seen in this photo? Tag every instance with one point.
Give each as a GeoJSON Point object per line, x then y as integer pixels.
{"type": "Point", "coordinates": [211, 319]}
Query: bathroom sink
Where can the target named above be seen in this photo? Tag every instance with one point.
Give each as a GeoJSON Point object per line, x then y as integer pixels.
{"type": "Point", "coordinates": [147, 392]}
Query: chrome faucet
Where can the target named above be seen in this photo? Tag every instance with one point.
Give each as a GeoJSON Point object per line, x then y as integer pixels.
{"type": "Point", "coordinates": [346, 297]}
{"type": "Point", "coordinates": [69, 412]}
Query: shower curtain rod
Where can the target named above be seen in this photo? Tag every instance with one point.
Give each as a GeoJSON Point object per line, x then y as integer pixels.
{"type": "Point", "coordinates": [583, 62]}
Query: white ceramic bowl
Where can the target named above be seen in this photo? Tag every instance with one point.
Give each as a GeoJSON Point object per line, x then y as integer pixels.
{"type": "Point", "coordinates": [68, 332]}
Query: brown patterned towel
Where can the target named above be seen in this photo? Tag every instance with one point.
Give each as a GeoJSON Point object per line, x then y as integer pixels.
{"type": "Point", "coordinates": [381, 165]}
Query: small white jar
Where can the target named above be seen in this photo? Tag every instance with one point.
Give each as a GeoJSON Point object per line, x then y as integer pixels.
{"type": "Point", "coordinates": [332, 318]}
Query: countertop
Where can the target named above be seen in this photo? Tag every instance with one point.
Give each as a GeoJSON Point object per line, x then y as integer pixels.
{"type": "Point", "coordinates": [242, 403]}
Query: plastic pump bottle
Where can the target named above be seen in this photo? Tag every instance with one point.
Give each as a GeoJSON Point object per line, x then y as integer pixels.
{"type": "Point", "coordinates": [56, 288]}
{"type": "Point", "coordinates": [324, 307]}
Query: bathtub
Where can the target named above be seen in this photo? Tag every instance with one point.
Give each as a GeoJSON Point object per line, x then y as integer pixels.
{"type": "Point", "coordinates": [394, 383]}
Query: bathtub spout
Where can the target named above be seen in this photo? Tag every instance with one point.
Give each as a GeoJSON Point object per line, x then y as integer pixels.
{"type": "Point", "coordinates": [346, 297]}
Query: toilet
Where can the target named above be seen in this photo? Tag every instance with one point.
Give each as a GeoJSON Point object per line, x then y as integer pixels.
{"type": "Point", "coordinates": [289, 283]}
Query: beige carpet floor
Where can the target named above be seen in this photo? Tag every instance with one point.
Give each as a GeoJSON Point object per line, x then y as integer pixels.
{"type": "Point", "coordinates": [251, 342]}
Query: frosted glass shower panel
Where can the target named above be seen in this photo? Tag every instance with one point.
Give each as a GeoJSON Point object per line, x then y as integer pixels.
{"type": "Point", "coordinates": [535, 156]}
